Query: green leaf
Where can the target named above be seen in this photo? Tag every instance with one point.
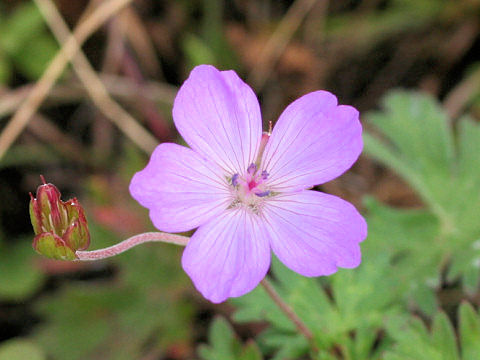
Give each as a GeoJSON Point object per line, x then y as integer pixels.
{"type": "Point", "coordinates": [20, 349]}
{"type": "Point", "coordinates": [24, 37]}
{"type": "Point", "coordinates": [146, 294]}
{"type": "Point", "coordinates": [224, 345]}
{"type": "Point", "coordinates": [360, 299]}
{"type": "Point", "coordinates": [23, 23]}
{"type": "Point", "coordinates": [415, 139]}
{"type": "Point", "coordinates": [403, 236]}
{"type": "Point", "coordinates": [211, 46]}
{"type": "Point", "coordinates": [35, 154]}
{"type": "Point", "coordinates": [5, 69]}
{"type": "Point", "coordinates": [418, 142]}
{"type": "Point", "coordinates": [197, 51]}
{"type": "Point", "coordinates": [19, 277]}
{"type": "Point", "coordinates": [415, 342]}
{"type": "Point", "coordinates": [251, 352]}
{"type": "Point", "coordinates": [443, 337]}
{"type": "Point", "coordinates": [34, 57]}
{"type": "Point", "coordinates": [469, 332]}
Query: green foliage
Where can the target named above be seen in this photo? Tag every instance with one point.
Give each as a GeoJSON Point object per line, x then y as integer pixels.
{"type": "Point", "coordinates": [469, 332]}
{"type": "Point", "coordinates": [139, 308]}
{"type": "Point", "coordinates": [211, 47]}
{"type": "Point", "coordinates": [25, 43]}
{"type": "Point", "coordinates": [197, 51]}
{"type": "Point", "coordinates": [5, 69]}
{"type": "Point", "coordinates": [20, 349]}
{"type": "Point", "coordinates": [28, 155]}
{"type": "Point", "coordinates": [420, 145]}
{"type": "Point", "coordinates": [352, 302]}
{"type": "Point", "coordinates": [90, 320]}
{"type": "Point", "coordinates": [358, 301]}
{"type": "Point", "coordinates": [366, 31]}
{"type": "Point", "coordinates": [19, 277]}
{"type": "Point", "coordinates": [405, 252]}
{"type": "Point", "coordinates": [397, 235]}
{"type": "Point", "coordinates": [415, 342]}
{"type": "Point", "coordinates": [224, 345]}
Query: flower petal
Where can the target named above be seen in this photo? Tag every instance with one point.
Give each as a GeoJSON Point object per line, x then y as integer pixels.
{"type": "Point", "coordinates": [181, 189]}
{"type": "Point", "coordinates": [312, 233]}
{"type": "Point", "coordinates": [218, 115]}
{"type": "Point", "coordinates": [313, 141]}
{"type": "Point", "coordinates": [228, 256]}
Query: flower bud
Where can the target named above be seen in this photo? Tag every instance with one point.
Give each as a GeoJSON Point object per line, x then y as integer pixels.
{"type": "Point", "coordinates": [60, 227]}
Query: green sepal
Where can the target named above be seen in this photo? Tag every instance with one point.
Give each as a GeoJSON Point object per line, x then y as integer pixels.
{"type": "Point", "coordinates": [60, 226]}
{"type": "Point", "coordinates": [77, 236]}
{"type": "Point", "coordinates": [35, 216]}
{"type": "Point", "coordinates": [52, 246]}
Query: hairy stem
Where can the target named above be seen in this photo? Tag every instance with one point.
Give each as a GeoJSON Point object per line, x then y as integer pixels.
{"type": "Point", "coordinates": [287, 310]}
{"type": "Point", "coordinates": [131, 242]}
{"type": "Point", "coordinates": [183, 240]}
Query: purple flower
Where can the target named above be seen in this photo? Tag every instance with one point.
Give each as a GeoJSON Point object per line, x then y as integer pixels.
{"type": "Point", "coordinates": [248, 193]}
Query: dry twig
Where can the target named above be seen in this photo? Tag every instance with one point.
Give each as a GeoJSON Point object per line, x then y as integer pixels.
{"type": "Point", "coordinates": [94, 86]}
{"type": "Point", "coordinates": [55, 69]}
{"type": "Point", "coordinates": [279, 41]}
{"type": "Point", "coordinates": [462, 94]}
{"type": "Point", "coordinates": [118, 86]}
{"type": "Point", "coordinates": [49, 133]}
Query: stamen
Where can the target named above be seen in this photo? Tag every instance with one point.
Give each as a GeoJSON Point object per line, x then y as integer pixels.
{"type": "Point", "coordinates": [252, 169]}
{"type": "Point", "coordinates": [263, 144]}
{"type": "Point", "coordinates": [264, 175]}
{"type": "Point", "coordinates": [235, 179]}
{"type": "Point", "coordinates": [263, 193]}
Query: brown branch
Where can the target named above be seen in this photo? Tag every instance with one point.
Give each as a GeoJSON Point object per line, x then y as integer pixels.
{"type": "Point", "coordinates": [119, 86]}
{"type": "Point", "coordinates": [279, 41]}
{"type": "Point", "coordinates": [49, 133]}
{"type": "Point", "coordinates": [287, 310]}
{"type": "Point", "coordinates": [94, 86]}
{"type": "Point", "coordinates": [462, 94]}
{"type": "Point", "coordinates": [55, 69]}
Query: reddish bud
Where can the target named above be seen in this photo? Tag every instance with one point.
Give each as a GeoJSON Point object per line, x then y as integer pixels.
{"type": "Point", "coordinates": [60, 227]}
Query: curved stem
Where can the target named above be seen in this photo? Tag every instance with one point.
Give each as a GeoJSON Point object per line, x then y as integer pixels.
{"type": "Point", "coordinates": [183, 240]}
{"type": "Point", "coordinates": [287, 310]}
{"type": "Point", "coordinates": [131, 242]}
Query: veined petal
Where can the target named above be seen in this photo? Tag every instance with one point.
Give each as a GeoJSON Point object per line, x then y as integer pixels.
{"type": "Point", "coordinates": [313, 233]}
{"type": "Point", "coordinates": [313, 141]}
{"type": "Point", "coordinates": [228, 256]}
{"type": "Point", "coordinates": [218, 115]}
{"type": "Point", "coordinates": [180, 188]}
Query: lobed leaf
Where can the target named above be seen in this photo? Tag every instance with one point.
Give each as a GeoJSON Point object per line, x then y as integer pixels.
{"type": "Point", "coordinates": [417, 141]}
{"type": "Point", "coordinates": [224, 345]}
{"type": "Point", "coordinates": [415, 342]}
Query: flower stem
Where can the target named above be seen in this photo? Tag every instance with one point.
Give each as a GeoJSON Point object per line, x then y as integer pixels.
{"type": "Point", "coordinates": [131, 242]}
{"type": "Point", "coordinates": [183, 240]}
{"type": "Point", "coordinates": [287, 310]}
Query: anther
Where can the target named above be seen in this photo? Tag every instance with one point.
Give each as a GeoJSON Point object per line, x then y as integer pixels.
{"type": "Point", "coordinates": [263, 193]}
{"type": "Point", "coordinates": [235, 179]}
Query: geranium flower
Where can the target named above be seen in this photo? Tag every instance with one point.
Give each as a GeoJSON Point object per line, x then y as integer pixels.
{"type": "Point", "coordinates": [247, 193]}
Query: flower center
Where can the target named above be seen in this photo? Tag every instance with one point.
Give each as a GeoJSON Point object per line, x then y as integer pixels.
{"type": "Point", "coordinates": [249, 189]}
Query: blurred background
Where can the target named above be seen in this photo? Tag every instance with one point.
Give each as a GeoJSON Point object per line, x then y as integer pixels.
{"type": "Point", "coordinates": [417, 181]}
